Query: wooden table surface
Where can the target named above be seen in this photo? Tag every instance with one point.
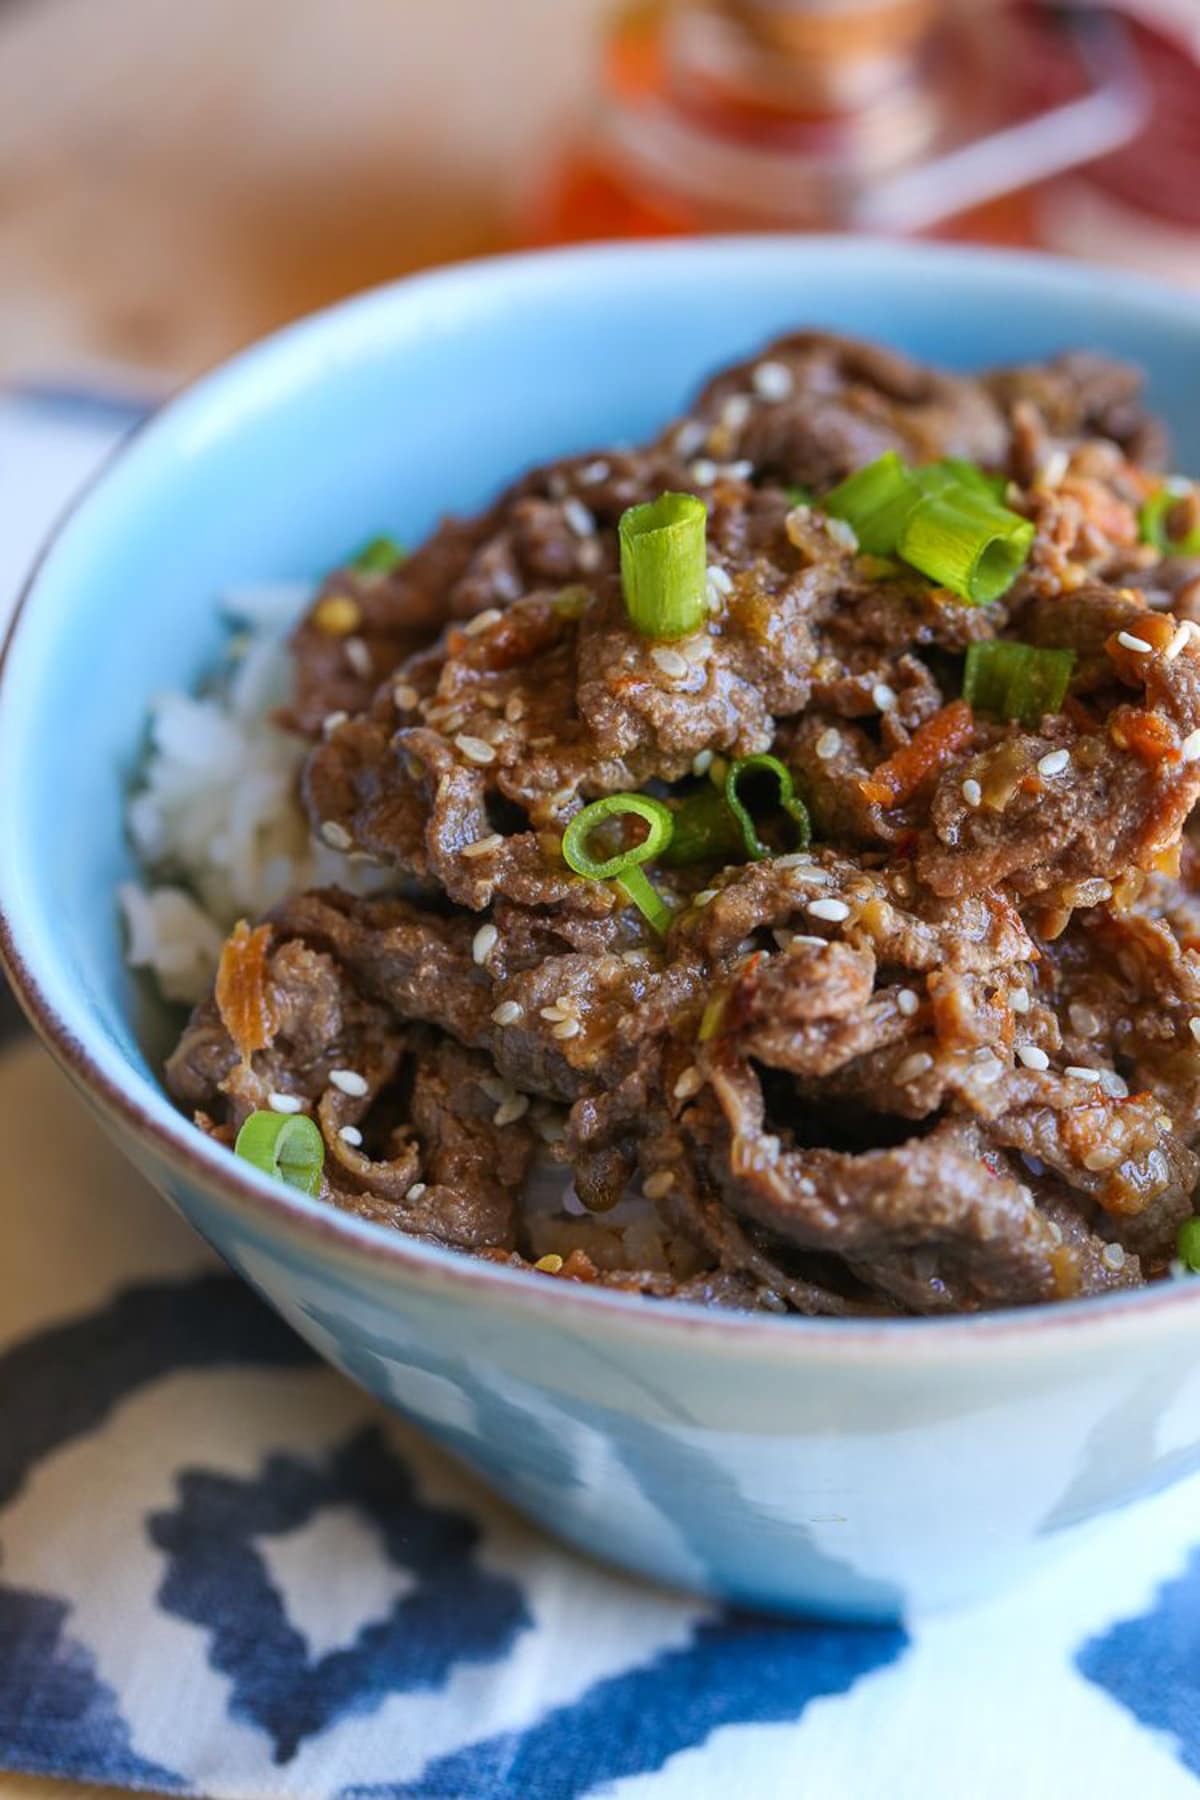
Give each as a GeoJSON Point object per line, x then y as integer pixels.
{"type": "Point", "coordinates": [176, 179]}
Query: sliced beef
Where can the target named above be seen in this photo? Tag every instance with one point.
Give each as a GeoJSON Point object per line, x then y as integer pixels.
{"type": "Point", "coordinates": [945, 1059]}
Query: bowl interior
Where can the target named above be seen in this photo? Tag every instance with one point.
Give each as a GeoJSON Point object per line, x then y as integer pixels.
{"type": "Point", "coordinates": [383, 414]}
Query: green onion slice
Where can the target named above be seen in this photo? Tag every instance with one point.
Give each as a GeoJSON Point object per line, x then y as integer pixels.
{"type": "Point", "coordinates": [1154, 523]}
{"type": "Point", "coordinates": [1016, 681]}
{"type": "Point", "coordinates": [664, 564]}
{"type": "Point", "coordinates": [945, 519]}
{"type": "Point", "coordinates": [1187, 1245]}
{"type": "Point", "coordinates": [623, 865]}
{"type": "Point", "coordinates": [966, 544]}
{"type": "Point", "coordinates": [743, 785]}
{"type": "Point", "coordinates": [705, 830]}
{"type": "Point", "coordinates": [379, 557]}
{"type": "Point", "coordinates": [287, 1146]}
{"type": "Point", "coordinates": [875, 502]}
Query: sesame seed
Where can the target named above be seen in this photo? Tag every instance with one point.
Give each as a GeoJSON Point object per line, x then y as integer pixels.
{"type": "Point", "coordinates": [404, 697]}
{"type": "Point", "coordinates": [483, 943]}
{"type": "Point", "coordinates": [1102, 1157]}
{"type": "Point", "coordinates": [1194, 1027]}
{"type": "Point", "coordinates": [475, 749]}
{"type": "Point", "coordinates": [483, 846]}
{"type": "Point", "coordinates": [689, 437]}
{"type": "Point", "coordinates": [350, 1082]}
{"type": "Point", "coordinates": [736, 411]}
{"type": "Point", "coordinates": [550, 1264]}
{"type": "Point", "coordinates": [331, 722]}
{"type": "Point", "coordinates": [828, 744]}
{"type": "Point", "coordinates": [795, 859]}
{"type": "Point", "coordinates": [567, 1028]}
{"type": "Point", "coordinates": [507, 1013]}
{"type": "Point", "coordinates": [658, 1184]}
{"type": "Point", "coordinates": [907, 1002]}
{"type": "Point", "coordinates": [972, 793]}
{"type": "Point", "coordinates": [416, 1190]}
{"type": "Point", "coordinates": [335, 835]}
{"type": "Point", "coordinates": [808, 937]}
{"type": "Point", "coordinates": [1083, 1019]}
{"type": "Point", "coordinates": [833, 910]}
{"type": "Point", "coordinates": [284, 1103]}
{"type": "Point", "coordinates": [740, 471]}
{"type": "Point", "coordinates": [350, 1134]}
{"type": "Point", "coordinates": [705, 897]}
{"type": "Point", "coordinates": [1179, 640]}
{"type": "Point", "coordinates": [988, 1068]}
{"type": "Point", "coordinates": [704, 471]}
{"type": "Point", "coordinates": [578, 517]}
{"type": "Point", "coordinates": [1078, 1072]}
{"type": "Point", "coordinates": [561, 797]}
{"type": "Point", "coordinates": [511, 1108]}
{"type": "Point", "coordinates": [1054, 762]}
{"type": "Point", "coordinates": [883, 696]}
{"type": "Point", "coordinates": [1018, 999]}
{"type": "Point", "coordinates": [1127, 640]}
{"type": "Point", "coordinates": [1190, 748]}
{"type": "Point", "coordinates": [702, 762]}
{"type": "Point", "coordinates": [635, 958]}
{"type": "Point", "coordinates": [772, 381]}
{"type": "Point", "coordinates": [594, 471]}
{"type": "Point", "coordinates": [1114, 1085]}
{"type": "Point", "coordinates": [669, 661]}
{"type": "Point", "coordinates": [483, 621]}
{"type": "Point", "coordinates": [337, 614]}
{"type": "Point", "coordinates": [1113, 1256]}
{"type": "Point", "coordinates": [689, 1083]}
{"type": "Point", "coordinates": [919, 1063]}
{"type": "Point", "coordinates": [1054, 468]}
{"type": "Point", "coordinates": [1055, 1230]}
{"type": "Point", "coordinates": [359, 657]}
{"type": "Point", "coordinates": [842, 533]}
{"type": "Point", "coordinates": [1032, 1057]}
{"type": "Point", "coordinates": [552, 1013]}
{"type": "Point", "coordinates": [720, 579]}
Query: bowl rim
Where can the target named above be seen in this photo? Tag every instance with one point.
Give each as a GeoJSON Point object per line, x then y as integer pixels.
{"type": "Point", "coordinates": [136, 1106]}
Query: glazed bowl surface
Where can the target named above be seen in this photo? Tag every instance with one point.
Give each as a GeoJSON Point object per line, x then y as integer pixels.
{"type": "Point", "coordinates": [836, 1467]}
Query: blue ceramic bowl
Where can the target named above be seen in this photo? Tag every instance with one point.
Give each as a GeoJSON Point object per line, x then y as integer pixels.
{"type": "Point", "coordinates": [822, 1466]}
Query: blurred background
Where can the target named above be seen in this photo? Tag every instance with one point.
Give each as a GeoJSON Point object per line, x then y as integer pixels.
{"type": "Point", "coordinates": [176, 179]}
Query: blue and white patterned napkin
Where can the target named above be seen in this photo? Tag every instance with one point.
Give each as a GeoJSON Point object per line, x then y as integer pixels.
{"type": "Point", "coordinates": [223, 1571]}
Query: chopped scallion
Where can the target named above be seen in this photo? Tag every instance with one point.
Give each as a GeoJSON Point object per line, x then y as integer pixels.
{"type": "Point", "coordinates": [664, 564]}
{"type": "Point", "coordinates": [379, 557]}
{"type": "Point", "coordinates": [1187, 1245]}
{"type": "Point", "coordinates": [623, 863]}
{"type": "Point", "coordinates": [967, 544]}
{"type": "Point", "coordinates": [1016, 681]}
{"type": "Point", "coordinates": [705, 830]}
{"type": "Point", "coordinates": [743, 784]}
{"type": "Point", "coordinates": [945, 519]}
{"type": "Point", "coordinates": [288, 1147]}
{"type": "Point", "coordinates": [1159, 525]}
{"type": "Point", "coordinates": [875, 502]}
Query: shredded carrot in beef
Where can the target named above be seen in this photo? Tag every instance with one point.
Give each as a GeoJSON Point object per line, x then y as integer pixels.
{"type": "Point", "coordinates": [933, 744]}
{"type": "Point", "coordinates": [241, 991]}
{"type": "Point", "coordinates": [1148, 734]}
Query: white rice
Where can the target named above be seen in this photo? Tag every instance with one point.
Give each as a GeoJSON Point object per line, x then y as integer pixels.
{"type": "Point", "coordinates": [216, 820]}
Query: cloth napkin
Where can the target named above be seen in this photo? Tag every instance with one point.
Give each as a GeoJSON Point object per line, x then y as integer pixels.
{"type": "Point", "coordinates": [224, 1571]}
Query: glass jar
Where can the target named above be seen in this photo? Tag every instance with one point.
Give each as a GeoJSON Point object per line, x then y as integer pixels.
{"type": "Point", "coordinates": [886, 115]}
